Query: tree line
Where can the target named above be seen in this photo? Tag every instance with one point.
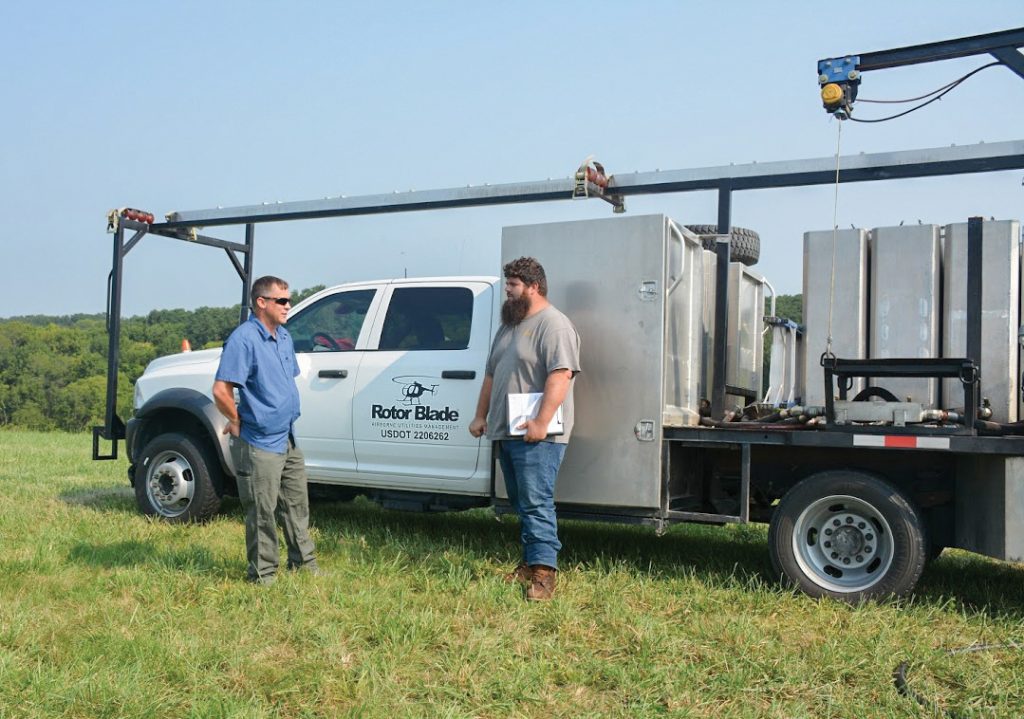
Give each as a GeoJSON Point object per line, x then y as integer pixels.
{"type": "Point", "coordinates": [53, 370]}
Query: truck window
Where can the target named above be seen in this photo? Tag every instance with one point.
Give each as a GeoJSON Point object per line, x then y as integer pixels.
{"type": "Point", "coordinates": [428, 318]}
{"type": "Point", "coordinates": [332, 324]}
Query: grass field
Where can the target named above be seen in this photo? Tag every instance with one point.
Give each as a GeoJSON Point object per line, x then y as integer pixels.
{"type": "Point", "coordinates": [104, 613]}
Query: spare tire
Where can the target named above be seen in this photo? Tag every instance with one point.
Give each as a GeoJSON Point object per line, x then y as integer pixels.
{"type": "Point", "coordinates": [744, 244]}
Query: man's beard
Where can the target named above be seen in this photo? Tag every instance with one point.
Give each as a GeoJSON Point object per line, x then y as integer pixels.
{"type": "Point", "coordinates": [514, 311]}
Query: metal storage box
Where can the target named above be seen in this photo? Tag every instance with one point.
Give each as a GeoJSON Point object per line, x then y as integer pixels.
{"type": "Point", "coordinates": [906, 271]}
{"type": "Point", "coordinates": [744, 364]}
{"type": "Point", "coordinates": [633, 286]}
{"type": "Point", "coordinates": [846, 292]}
{"type": "Point", "coordinates": [1000, 313]}
{"type": "Point", "coordinates": [684, 328]}
{"type": "Point", "coordinates": [744, 343]}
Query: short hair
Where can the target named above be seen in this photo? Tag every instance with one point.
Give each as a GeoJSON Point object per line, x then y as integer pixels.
{"type": "Point", "coordinates": [529, 271]}
{"type": "Point", "coordinates": [263, 285]}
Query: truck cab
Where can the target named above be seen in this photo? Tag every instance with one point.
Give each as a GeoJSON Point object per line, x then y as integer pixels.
{"type": "Point", "coordinates": [390, 372]}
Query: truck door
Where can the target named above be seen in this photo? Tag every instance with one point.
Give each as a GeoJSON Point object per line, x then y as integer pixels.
{"type": "Point", "coordinates": [418, 386]}
{"type": "Point", "coordinates": [329, 337]}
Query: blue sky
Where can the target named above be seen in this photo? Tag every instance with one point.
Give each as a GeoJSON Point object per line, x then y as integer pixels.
{"type": "Point", "coordinates": [189, 105]}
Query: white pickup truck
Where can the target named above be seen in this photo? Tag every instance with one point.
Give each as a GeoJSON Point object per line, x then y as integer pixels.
{"type": "Point", "coordinates": [390, 373]}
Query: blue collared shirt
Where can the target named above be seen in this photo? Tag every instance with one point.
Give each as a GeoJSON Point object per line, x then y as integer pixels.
{"type": "Point", "coordinates": [263, 367]}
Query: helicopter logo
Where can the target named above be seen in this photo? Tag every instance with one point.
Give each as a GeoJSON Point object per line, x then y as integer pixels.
{"type": "Point", "coordinates": [413, 388]}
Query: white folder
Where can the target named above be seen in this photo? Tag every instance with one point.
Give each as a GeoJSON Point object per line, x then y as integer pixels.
{"type": "Point", "coordinates": [524, 406]}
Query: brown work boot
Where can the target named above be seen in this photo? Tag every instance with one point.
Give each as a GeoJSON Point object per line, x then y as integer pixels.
{"type": "Point", "coordinates": [520, 574]}
{"type": "Point", "coordinates": [542, 583]}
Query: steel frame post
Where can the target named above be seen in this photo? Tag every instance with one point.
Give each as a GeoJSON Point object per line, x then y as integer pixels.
{"type": "Point", "coordinates": [745, 483]}
{"type": "Point", "coordinates": [250, 238]}
{"type": "Point", "coordinates": [722, 251]}
{"type": "Point", "coordinates": [113, 427]}
{"type": "Point", "coordinates": [114, 328]}
{"type": "Point", "coordinates": [975, 247]}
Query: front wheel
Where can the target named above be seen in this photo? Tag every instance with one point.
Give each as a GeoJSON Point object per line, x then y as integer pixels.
{"type": "Point", "coordinates": [177, 479]}
{"type": "Point", "coordinates": [847, 535]}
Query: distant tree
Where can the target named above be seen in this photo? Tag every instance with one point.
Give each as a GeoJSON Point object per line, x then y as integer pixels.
{"type": "Point", "coordinates": [53, 369]}
{"type": "Point", "coordinates": [297, 297]}
{"type": "Point", "coordinates": [81, 404]}
{"type": "Point", "coordinates": [32, 417]}
{"type": "Point", "coordinates": [5, 415]}
{"type": "Point", "coordinates": [789, 307]}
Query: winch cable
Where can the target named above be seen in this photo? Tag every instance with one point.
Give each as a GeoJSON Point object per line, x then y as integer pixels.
{"type": "Point", "coordinates": [938, 93]}
{"type": "Point", "coordinates": [899, 677]}
{"type": "Point", "coordinates": [835, 236]}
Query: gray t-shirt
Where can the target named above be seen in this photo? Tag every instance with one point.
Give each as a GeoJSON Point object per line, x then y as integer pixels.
{"type": "Point", "coordinates": [521, 358]}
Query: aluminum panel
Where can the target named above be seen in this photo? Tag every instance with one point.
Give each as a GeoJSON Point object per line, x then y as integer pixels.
{"type": "Point", "coordinates": [684, 329]}
{"type": "Point", "coordinates": [906, 271]}
{"type": "Point", "coordinates": [744, 363]}
{"type": "Point", "coordinates": [846, 293]}
{"type": "Point", "coordinates": [609, 277]}
{"type": "Point", "coordinates": [1000, 314]}
{"type": "Point", "coordinates": [989, 506]}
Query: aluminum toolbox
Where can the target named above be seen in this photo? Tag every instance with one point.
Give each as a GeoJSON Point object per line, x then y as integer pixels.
{"type": "Point", "coordinates": [846, 292]}
{"type": "Point", "coordinates": [1000, 313]}
{"type": "Point", "coordinates": [745, 347]}
{"type": "Point", "coordinates": [634, 288]}
{"type": "Point", "coordinates": [906, 273]}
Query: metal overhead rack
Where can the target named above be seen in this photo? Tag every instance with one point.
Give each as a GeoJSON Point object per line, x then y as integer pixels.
{"type": "Point", "coordinates": [185, 225]}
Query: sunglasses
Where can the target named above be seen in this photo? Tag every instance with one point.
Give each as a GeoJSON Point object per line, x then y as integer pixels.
{"type": "Point", "coordinates": [279, 300]}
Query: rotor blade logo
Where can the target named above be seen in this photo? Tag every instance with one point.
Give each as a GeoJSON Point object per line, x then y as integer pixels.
{"type": "Point", "coordinates": [414, 387]}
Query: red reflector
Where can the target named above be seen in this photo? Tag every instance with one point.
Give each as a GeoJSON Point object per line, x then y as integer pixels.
{"type": "Point", "coordinates": [898, 441]}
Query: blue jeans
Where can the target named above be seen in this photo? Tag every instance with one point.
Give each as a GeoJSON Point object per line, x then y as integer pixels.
{"type": "Point", "coordinates": [530, 470]}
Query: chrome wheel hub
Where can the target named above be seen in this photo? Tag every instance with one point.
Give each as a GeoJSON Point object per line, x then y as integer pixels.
{"type": "Point", "coordinates": [170, 483]}
{"type": "Point", "coordinates": [843, 543]}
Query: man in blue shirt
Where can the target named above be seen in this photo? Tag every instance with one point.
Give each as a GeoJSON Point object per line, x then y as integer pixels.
{"type": "Point", "coordinates": [259, 360]}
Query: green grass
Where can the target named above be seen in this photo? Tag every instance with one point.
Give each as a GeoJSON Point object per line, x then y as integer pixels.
{"type": "Point", "coordinates": [104, 613]}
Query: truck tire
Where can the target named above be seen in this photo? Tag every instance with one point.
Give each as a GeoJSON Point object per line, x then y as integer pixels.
{"type": "Point", "coordinates": [744, 244]}
{"type": "Point", "coordinates": [178, 479]}
{"type": "Point", "coordinates": [847, 535]}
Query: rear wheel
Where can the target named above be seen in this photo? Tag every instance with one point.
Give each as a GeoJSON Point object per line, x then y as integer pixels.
{"type": "Point", "coordinates": [178, 480]}
{"type": "Point", "coordinates": [847, 535]}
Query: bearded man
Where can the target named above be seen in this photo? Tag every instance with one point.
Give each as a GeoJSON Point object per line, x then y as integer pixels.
{"type": "Point", "coordinates": [536, 350]}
